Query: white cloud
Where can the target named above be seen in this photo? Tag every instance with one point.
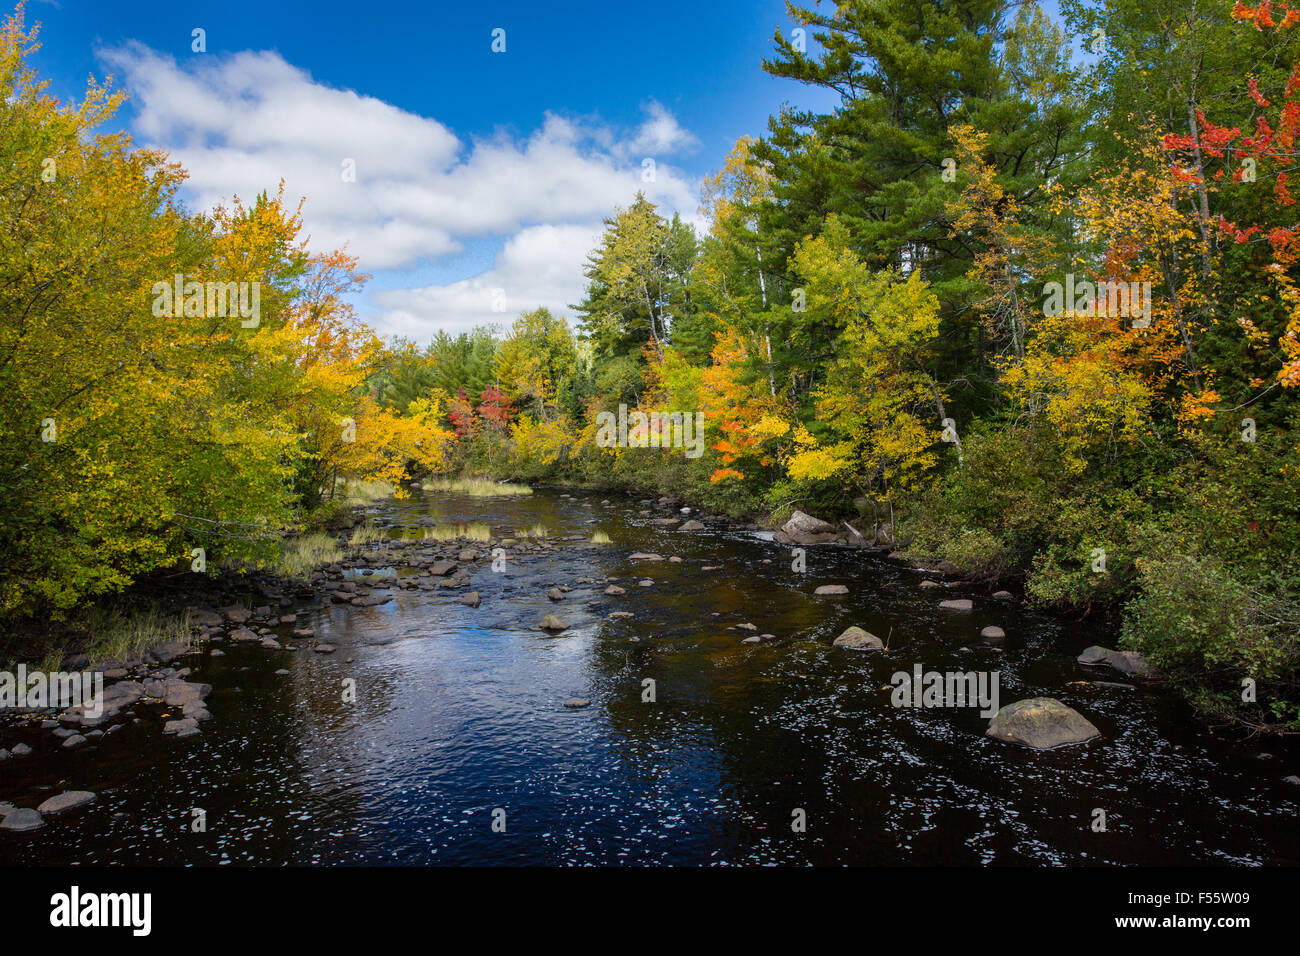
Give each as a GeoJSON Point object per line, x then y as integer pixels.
{"type": "Point", "coordinates": [240, 124]}
{"type": "Point", "coordinates": [539, 266]}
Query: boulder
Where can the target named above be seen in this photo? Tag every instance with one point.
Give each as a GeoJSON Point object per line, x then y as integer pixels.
{"type": "Point", "coordinates": [185, 727]}
{"type": "Point", "coordinates": [1126, 662]}
{"type": "Point", "coordinates": [960, 604]}
{"type": "Point", "coordinates": [931, 584]}
{"type": "Point", "coordinates": [553, 624]}
{"type": "Point", "coordinates": [692, 525]}
{"type": "Point", "coordinates": [20, 821]}
{"type": "Point", "coordinates": [1043, 723]}
{"type": "Point", "coordinates": [856, 639]}
{"type": "Point", "coordinates": [577, 702]}
{"type": "Point", "coordinates": [470, 600]}
{"type": "Point", "coordinates": [65, 801]}
{"type": "Point", "coordinates": [832, 589]}
{"type": "Point", "coordinates": [1003, 596]}
{"type": "Point", "coordinates": [993, 633]}
{"type": "Point", "coordinates": [644, 556]}
{"type": "Point", "coordinates": [555, 594]}
{"type": "Point", "coordinates": [803, 524]}
{"type": "Point", "coordinates": [614, 590]}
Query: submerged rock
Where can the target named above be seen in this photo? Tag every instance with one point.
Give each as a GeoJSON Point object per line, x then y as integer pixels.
{"type": "Point", "coordinates": [1043, 723]}
{"type": "Point", "coordinates": [856, 639]}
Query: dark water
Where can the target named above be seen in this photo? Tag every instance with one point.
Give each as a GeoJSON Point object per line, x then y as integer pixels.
{"type": "Point", "coordinates": [459, 712]}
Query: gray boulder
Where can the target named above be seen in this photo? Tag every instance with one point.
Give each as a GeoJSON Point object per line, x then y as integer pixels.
{"type": "Point", "coordinates": [856, 639]}
{"type": "Point", "coordinates": [1043, 723]}
{"type": "Point", "coordinates": [66, 801]}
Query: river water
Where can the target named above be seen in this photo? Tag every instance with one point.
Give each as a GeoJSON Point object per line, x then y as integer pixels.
{"type": "Point", "coordinates": [459, 714]}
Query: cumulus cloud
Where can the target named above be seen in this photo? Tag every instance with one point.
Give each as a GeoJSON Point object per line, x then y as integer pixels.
{"type": "Point", "coordinates": [240, 124]}
{"type": "Point", "coordinates": [539, 266]}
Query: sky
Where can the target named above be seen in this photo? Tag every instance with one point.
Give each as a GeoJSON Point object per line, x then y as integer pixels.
{"type": "Point", "coordinates": [475, 171]}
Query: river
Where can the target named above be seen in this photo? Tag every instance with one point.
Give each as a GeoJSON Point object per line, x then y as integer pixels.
{"type": "Point", "coordinates": [459, 721]}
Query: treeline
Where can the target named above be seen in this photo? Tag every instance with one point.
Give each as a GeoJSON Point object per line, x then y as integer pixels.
{"type": "Point", "coordinates": [178, 389]}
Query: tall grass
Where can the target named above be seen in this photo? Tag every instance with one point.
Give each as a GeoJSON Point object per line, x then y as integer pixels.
{"type": "Point", "coordinates": [474, 531]}
{"type": "Point", "coordinates": [476, 487]}
{"type": "Point", "coordinates": [354, 492]}
{"type": "Point", "coordinates": [600, 537]}
{"type": "Point", "coordinates": [302, 555]}
{"type": "Point", "coordinates": [366, 533]}
{"type": "Point", "coordinates": [118, 634]}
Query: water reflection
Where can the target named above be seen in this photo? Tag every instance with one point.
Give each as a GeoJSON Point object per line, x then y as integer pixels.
{"type": "Point", "coordinates": [459, 712]}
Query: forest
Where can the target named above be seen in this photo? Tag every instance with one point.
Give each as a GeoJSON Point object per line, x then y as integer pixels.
{"type": "Point", "coordinates": [1028, 313]}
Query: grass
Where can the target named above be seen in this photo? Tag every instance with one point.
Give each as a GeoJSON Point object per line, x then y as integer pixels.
{"type": "Point", "coordinates": [353, 492]}
{"type": "Point", "coordinates": [476, 487]}
{"type": "Point", "coordinates": [117, 634]}
{"type": "Point", "coordinates": [366, 533]}
{"type": "Point", "coordinates": [474, 531]}
{"type": "Point", "coordinates": [534, 531]}
{"type": "Point", "coordinates": [302, 555]}
{"type": "Point", "coordinates": [600, 537]}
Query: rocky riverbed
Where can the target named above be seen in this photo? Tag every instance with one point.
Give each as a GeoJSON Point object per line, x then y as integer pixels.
{"type": "Point", "coordinates": [674, 695]}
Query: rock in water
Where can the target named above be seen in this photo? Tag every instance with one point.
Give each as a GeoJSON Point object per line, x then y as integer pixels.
{"type": "Point", "coordinates": [470, 600]}
{"type": "Point", "coordinates": [960, 604]}
{"type": "Point", "coordinates": [20, 821]}
{"type": "Point", "coordinates": [1126, 662]}
{"type": "Point", "coordinates": [692, 525]}
{"type": "Point", "coordinates": [553, 624]}
{"type": "Point", "coordinates": [1042, 723]}
{"type": "Point", "coordinates": [832, 589]}
{"type": "Point", "coordinates": [577, 702]}
{"type": "Point", "coordinates": [801, 523]}
{"type": "Point", "coordinates": [65, 801]}
{"type": "Point", "coordinates": [855, 638]}
{"type": "Point", "coordinates": [555, 594]}
{"type": "Point", "coordinates": [993, 633]}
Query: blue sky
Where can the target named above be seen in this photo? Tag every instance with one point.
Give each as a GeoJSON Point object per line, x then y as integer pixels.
{"type": "Point", "coordinates": [481, 178]}
{"type": "Point", "coordinates": [475, 171]}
